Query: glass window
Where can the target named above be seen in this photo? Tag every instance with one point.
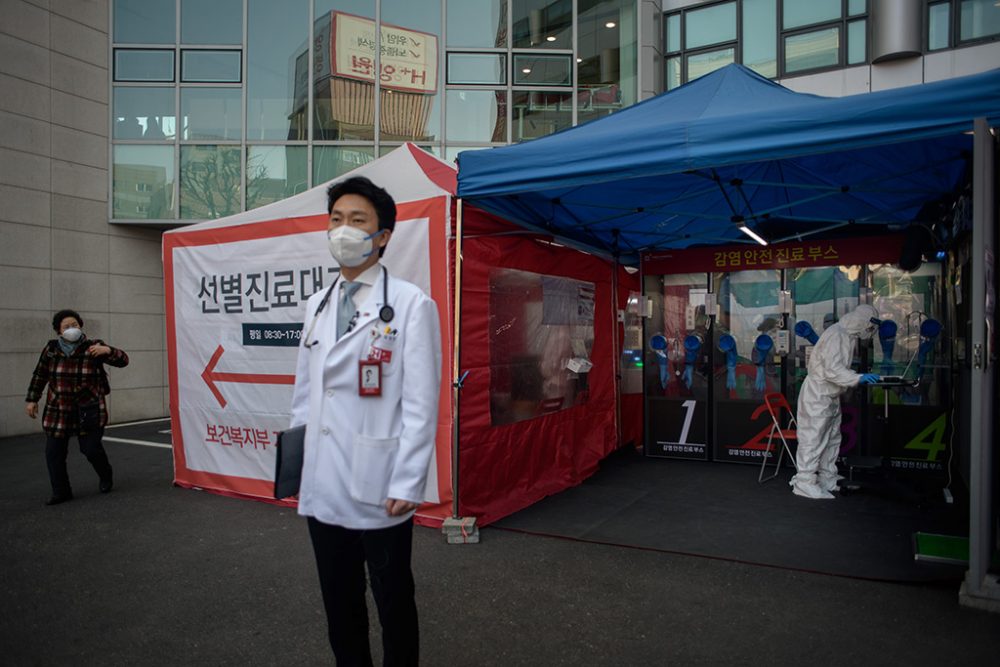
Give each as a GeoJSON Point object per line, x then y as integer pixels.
{"type": "Point", "coordinates": [211, 66]}
{"type": "Point", "coordinates": [855, 7]}
{"type": "Point", "coordinates": [410, 70]}
{"type": "Point", "coordinates": [385, 149]}
{"type": "Point", "coordinates": [534, 70]}
{"type": "Point", "coordinates": [145, 21]}
{"type": "Point", "coordinates": [211, 114]}
{"type": "Point", "coordinates": [553, 322]}
{"type": "Point", "coordinates": [274, 173]}
{"type": "Point", "coordinates": [144, 112]}
{"type": "Point", "coordinates": [796, 13]}
{"type": "Point", "coordinates": [330, 162]}
{"type": "Point", "coordinates": [277, 34]}
{"type": "Point", "coordinates": [216, 22]}
{"type": "Point", "coordinates": [857, 42]}
{"type": "Point", "coordinates": [477, 68]}
{"type": "Point", "coordinates": [978, 18]}
{"type": "Point", "coordinates": [479, 23]}
{"type": "Point", "coordinates": [606, 69]}
{"type": "Point", "coordinates": [542, 24]}
{"type": "Point", "coordinates": [144, 65]}
{"type": "Point", "coordinates": [760, 36]}
{"type": "Point", "coordinates": [143, 182]}
{"type": "Point", "coordinates": [938, 26]}
{"type": "Point", "coordinates": [476, 115]}
{"type": "Point", "coordinates": [673, 33]}
{"type": "Point", "coordinates": [210, 181]}
{"type": "Point", "coordinates": [673, 72]}
{"type": "Point", "coordinates": [538, 113]}
{"type": "Point", "coordinates": [710, 25]}
{"type": "Point", "coordinates": [810, 50]}
{"type": "Point", "coordinates": [701, 64]}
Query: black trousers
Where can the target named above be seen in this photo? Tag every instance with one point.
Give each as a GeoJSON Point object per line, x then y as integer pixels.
{"type": "Point", "coordinates": [56, 450]}
{"type": "Point", "coordinates": [341, 554]}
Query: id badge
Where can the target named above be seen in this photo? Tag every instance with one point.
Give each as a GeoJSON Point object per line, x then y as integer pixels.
{"type": "Point", "coordinates": [369, 377]}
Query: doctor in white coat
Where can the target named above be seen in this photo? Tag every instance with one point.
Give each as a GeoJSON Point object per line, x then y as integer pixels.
{"type": "Point", "coordinates": [366, 387]}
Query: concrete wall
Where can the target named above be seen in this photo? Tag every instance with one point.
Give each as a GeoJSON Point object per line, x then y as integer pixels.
{"type": "Point", "coordinates": [57, 249]}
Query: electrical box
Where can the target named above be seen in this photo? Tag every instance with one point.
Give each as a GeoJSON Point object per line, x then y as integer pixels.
{"type": "Point", "coordinates": [781, 342]}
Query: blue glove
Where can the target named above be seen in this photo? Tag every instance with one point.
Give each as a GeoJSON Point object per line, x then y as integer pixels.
{"type": "Point", "coordinates": [869, 378]}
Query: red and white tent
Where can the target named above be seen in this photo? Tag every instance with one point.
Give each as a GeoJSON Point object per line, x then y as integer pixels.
{"type": "Point", "coordinates": [236, 290]}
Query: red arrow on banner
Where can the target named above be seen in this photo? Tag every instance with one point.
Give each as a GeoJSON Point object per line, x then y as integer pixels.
{"type": "Point", "coordinates": [211, 377]}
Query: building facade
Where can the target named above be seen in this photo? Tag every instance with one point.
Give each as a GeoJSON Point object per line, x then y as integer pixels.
{"type": "Point", "coordinates": [121, 118]}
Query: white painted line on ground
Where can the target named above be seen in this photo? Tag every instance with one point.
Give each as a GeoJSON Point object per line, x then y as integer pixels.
{"type": "Point", "coordinates": [144, 421]}
{"type": "Point", "coordinates": [147, 443]}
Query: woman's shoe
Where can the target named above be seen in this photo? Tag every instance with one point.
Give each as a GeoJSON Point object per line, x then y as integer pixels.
{"type": "Point", "coordinates": [59, 498]}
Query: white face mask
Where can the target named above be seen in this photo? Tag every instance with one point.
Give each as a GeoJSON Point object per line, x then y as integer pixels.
{"type": "Point", "coordinates": [72, 334]}
{"type": "Point", "coordinates": [350, 246]}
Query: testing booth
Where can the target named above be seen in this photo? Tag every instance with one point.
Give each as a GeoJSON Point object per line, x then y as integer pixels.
{"type": "Point", "coordinates": [757, 217]}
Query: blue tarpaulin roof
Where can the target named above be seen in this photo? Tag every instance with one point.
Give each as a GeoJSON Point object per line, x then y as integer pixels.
{"type": "Point", "coordinates": [688, 166]}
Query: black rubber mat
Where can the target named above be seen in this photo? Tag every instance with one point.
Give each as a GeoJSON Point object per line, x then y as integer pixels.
{"type": "Point", "coordinates": [719, 510]}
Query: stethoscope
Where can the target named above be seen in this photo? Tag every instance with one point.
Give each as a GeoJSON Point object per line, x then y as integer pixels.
{"type": "Point", "coordinates": [386, 313]}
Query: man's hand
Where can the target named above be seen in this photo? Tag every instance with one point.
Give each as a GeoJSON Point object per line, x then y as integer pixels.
{"type": "Point", "coordinates": [98, 350]}
{"type": "Point", "coordinates": [869, 378]}
{"type": "Point", "coordinates": [31, 409]}
{"type": "Point", "coordinates": [394, 507]}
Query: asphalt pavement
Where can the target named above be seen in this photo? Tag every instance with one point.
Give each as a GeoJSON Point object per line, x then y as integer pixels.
{"type": "Point", "coordinates": [152, 574]}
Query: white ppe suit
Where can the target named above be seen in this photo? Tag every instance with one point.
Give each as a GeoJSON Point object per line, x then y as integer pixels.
{"type": "Point", "coordinates": [818, 419]}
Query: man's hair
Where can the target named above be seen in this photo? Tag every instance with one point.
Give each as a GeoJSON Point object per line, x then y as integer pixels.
{"type": "Point", "coordinates": [380, 200]}
{"type": "Point", "coordinates": [62, 315]}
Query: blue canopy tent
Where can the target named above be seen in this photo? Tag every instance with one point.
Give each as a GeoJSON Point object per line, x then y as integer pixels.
{"type": "Point", "coordinates": [693, 165]}
{"type": "Point", "coordinates": [733, 150]}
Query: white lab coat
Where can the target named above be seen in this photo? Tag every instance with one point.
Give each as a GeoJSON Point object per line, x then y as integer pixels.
{"type": "Point", "coordinates": [818, 412]}
{"type": "Point", "coordinates": [362, 450]}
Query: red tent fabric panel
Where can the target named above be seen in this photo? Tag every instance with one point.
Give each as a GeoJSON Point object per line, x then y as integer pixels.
{"type": "Point", "coordinates": [508, 467]}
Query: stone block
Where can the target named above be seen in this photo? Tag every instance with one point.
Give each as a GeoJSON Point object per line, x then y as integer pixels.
{"type": "Point", "coordinates": [79, 180]}
{"type": "Point", "coordinates": [25, 246]}
{"type": "Point", "coordinates": [79, 147]}
{"type": "Point", "coordinates": [82, 215]}
{"type": "Point", "coordinates": [85, 292]}
{"type": "Point", "coordinates": [79, 251]}
{"type": "Point", "coordinates": [24, 288]}
{"type": "Point", "coordinates": [24, 170]}
{"type": "Point", "coordinates": [79, 78]}
{"type": "Point", "coordinates": [79, 113]}
{"type": "Point", "coordinates": [135, 257]}
{"type": "Point", "coordinates": [14, 421]}
{"type": "Point", "coordinates": [80, 41]}
{"type": "Point", "coordinates": [137, 332]}
{"type": "Point", "coordinates": [24, 134]}
{"type": "Point", "coordinates": [132, 294]}
{"type": "Point", "coordinates": [25, 330]}
{"type": "Point", "coordinates": [144, 370]}
{"type": "Point", "coordinates": [25, 98]}
{"type": "Point", "coordinates": [125, 405]}
{"type": "Point", "coordinates": [24, 60]}
{"type": "Point", "coordinates": [17, 368]}
{"type": "Point", "coordinates": [27, 21]}
{"type": "Point", "coordinates": [29, 207]}
{"type": "Point", "coordinates": [93, 13]}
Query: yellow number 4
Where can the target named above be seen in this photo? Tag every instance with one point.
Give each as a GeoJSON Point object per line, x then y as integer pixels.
{"type": "Point", "coordinates": [931, 438]}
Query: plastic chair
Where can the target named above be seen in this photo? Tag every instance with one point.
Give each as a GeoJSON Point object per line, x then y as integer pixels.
{"type": "Point", "coordinates": [776, 402]}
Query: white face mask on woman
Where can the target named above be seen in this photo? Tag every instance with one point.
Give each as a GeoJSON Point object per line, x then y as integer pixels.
{"type": "Point", "coordinates": [72, 334]}
{"type": "Point", "coordinates": [350, 246]}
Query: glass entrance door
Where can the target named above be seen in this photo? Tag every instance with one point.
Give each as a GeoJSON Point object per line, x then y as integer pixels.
{"type": "Point", "coordinates": [677, 366]}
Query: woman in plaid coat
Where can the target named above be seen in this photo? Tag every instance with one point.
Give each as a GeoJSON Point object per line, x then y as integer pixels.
{"type": "Point", "coordinates": [73, 368]}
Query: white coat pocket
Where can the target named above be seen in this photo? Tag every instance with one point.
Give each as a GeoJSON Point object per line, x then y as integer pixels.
{"type": "Point", "coordinates": [371, 468]}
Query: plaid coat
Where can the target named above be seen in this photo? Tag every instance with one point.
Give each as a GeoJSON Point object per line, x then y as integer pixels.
{"type": "Point", "coordinates": [74, 380]}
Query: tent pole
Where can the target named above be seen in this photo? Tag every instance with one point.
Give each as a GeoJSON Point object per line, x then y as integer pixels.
{"type": "Point", "coordinates": [456, 347]}
{"type": "Point", "coordinates": [457, 529]}
{"type": "Point", "coordinates": [616, 354]}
